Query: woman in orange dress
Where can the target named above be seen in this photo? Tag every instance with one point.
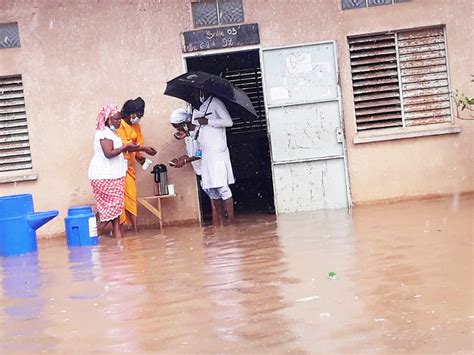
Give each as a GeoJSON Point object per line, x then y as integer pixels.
{"type": "Point", "coordinates": [130, 132]}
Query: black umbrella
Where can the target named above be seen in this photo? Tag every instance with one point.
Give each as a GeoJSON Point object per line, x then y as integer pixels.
{"type": "Point", "coordinates": [188, 85]}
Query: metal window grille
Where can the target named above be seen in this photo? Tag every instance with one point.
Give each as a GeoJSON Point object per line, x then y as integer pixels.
{"type": "Point", "coordinates": [357, 4]}
{"type": "Point", "coordinates": [205, 13]}
{"type": "Point", "coordinates": [9, 35]}
{"type": "Point", "coordinates": [353, 4]}
{"type": "Point", "coordinates": [375, 81]}
{"type": "Point", "coordinates": [400, 79]}
{"type": "Point", "coordinates": [250, 81]}
{"type": "Point", "coordinates": [424, 76]}
{"type": "Point", "coordinates": [217, 12]}
{"type": "Point", "coordinates": [14, 142]}
{"type": "Point", "coordinates": [231, 11]}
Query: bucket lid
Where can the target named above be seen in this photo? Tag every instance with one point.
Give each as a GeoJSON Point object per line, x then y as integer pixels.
{"type": "Point", "coordinates": [79, 210]}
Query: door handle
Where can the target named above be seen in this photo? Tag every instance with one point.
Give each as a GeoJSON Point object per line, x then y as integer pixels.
{"type": "Point", "coordinates": [339, 135]}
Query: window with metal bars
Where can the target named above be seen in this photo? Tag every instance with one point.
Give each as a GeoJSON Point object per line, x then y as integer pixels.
{"type": "Point", "coordinates": [357, 4]}
{"type": "Point", "coordinates": [9, 35]}
{"type": "Point", "coordinates": [400, 79]}
{"type": "Point", "coordinates": [250, 81]}
{"type": "Point", "coordinates": [217, 12]}
{"type": "Point", "coordinates": [15, 152]}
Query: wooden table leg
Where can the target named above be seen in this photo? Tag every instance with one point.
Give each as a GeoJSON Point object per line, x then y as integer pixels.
{"type": "Point", "coordinates": [155, 211]}
{"type": "Point", "coordinates": [161, 214]}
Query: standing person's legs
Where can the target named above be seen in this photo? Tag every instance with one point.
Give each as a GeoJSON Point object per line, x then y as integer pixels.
{"type": "Point", "coordinates": [224, 204]}
{"type": "Point", "coordinates": [128, 217]}
{"type": "Point", "coordinates": [217, 207]}
{"type": "Point", "coordinates": [116, 228]}
{"type": "Point", "coordinates": [129, 214]}
{"type": "Point", "coordinates": [229, 208]}
{"type": "Point", "coordinates": [215, 213]}
{"type": "Point", "coordinates": [133, 219]}
{"type": "Point", "coordinates": [109, 196]}
{"type": "Point", "coordinates": [220, 212]}
{"type": "Point", "coordinates": [100, 225]}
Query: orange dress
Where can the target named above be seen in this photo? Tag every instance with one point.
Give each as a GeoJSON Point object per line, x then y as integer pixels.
{"type": "Point", "coordinates": [130, 134]}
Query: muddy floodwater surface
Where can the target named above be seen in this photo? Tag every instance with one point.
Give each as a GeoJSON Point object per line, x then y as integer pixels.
{"type": "Point", "coordinates": [377, 279]}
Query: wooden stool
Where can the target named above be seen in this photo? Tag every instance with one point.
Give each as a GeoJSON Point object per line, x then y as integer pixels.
{"type": "Point", "coordinates": [156, 211]}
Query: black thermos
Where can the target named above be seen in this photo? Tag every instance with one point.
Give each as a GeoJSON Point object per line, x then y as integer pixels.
{"type": "Point", "coordinates": [160, 175]}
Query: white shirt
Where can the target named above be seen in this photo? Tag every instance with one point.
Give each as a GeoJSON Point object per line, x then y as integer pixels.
{"type": "Point", "coordinates": [102, 167]}
{"type": "Point", "coordinates": [216, 168]}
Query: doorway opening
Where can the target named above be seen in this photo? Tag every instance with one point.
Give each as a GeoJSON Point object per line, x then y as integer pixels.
{"type": "Point", "coordinates": [247, 140]}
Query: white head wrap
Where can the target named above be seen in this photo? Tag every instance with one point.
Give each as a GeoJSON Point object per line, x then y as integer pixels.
{"type": "Point", "coordinates": [179, 116]}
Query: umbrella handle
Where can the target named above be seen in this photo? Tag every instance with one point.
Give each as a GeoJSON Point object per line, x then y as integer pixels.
{"type": "Point", "coordinates": [205, 114]}
{"type": "Point", "coordinates": [197, 133]}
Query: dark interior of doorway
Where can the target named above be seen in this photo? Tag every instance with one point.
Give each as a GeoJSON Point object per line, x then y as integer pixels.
{"type": "Point", "coordinates": [247, 139]}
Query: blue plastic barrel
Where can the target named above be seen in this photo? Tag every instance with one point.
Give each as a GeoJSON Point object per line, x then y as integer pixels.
{"type": "Point", "coordinates": [81, 227]}
{"type": "Point", "coordinates": [18, 224]}
{"type": "Point", "coordinates": [16, 237]}
{"type": "Point", "coordinates": [16, 205]}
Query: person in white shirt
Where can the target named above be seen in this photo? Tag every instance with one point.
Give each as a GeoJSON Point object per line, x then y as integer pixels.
{"type": "Point", "coordinates": [108, 167]}
{"type": "Point", "coordinates": [216, 169]}
{"type": "Point", "coordinates": [181, 120]}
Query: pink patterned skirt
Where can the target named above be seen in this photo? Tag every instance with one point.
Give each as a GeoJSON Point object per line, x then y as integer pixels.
{"type": "Point", "coordinates": [109, 196]}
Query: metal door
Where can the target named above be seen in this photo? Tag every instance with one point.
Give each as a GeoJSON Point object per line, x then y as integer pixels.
{"type": "Point", "coordinates": [305, 127]}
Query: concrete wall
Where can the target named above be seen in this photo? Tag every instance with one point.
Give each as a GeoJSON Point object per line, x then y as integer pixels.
{"type": "Point", "coordinates": [400, 168]}
{"type": "Point", "coordinates": [418, 166]}
{"type": "Point", "coordinates": [79, 55]}
{"type": "Point", "coordinates": [76, 56]}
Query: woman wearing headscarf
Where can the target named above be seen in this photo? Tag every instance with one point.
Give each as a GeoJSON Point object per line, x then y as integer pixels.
{"type": "Point", "coordinates": [131, 132]}
{"type": "Point", "coordinates": [108, 167]}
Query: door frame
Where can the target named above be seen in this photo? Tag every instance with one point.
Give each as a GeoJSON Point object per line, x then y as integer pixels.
{"type": "Point", "coordinates": [341, 116]}
{"type": "Point", "coordinates": [212, 52]}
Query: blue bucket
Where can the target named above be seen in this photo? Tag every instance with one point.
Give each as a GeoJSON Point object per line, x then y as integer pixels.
{"type": "Point", "coordinates": [18, 224]}
{"type": "Point", "coordinates": [81, 227]}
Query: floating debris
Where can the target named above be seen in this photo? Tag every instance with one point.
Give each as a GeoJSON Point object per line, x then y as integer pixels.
{"type": "Point", "coordinates": [311, 298]}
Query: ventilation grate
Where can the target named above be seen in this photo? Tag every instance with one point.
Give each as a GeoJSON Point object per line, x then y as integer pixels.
{"type": "Point", "coordinates": [400, 79]}
{"type": "Point", "coordinates": [424, 76]}
{"type": "Point", "coordinates": [375, 81]}
{"type": "Point", "coordinates": [250, 81]}
{"type": "Point", "coordinates": [14, 142]}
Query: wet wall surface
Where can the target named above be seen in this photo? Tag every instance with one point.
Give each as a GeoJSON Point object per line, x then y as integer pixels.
{"type": "Point", "coordinates": [379, 279]}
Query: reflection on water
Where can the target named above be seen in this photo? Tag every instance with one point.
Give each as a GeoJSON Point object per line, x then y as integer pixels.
{"type": "Point", "coordinates": [21, 302]}
{"type": "Point", "coordinates": [81, 263]}
{"type": "Point", "coordinates": [403, 284]}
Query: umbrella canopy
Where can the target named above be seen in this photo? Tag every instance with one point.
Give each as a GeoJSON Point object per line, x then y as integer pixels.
{"type": "Point", "coordinates": [188, 85]}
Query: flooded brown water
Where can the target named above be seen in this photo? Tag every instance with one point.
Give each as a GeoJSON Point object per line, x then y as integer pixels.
{"type": "Point", "coordinates": [403, 284]}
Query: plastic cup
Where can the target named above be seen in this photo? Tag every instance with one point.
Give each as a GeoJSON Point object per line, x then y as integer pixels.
{"type": "Point", "coordinates": [146, 164]}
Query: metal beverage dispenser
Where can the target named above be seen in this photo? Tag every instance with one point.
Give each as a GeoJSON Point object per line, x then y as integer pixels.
{"type": "Point", "coordinates": [161, 179]}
